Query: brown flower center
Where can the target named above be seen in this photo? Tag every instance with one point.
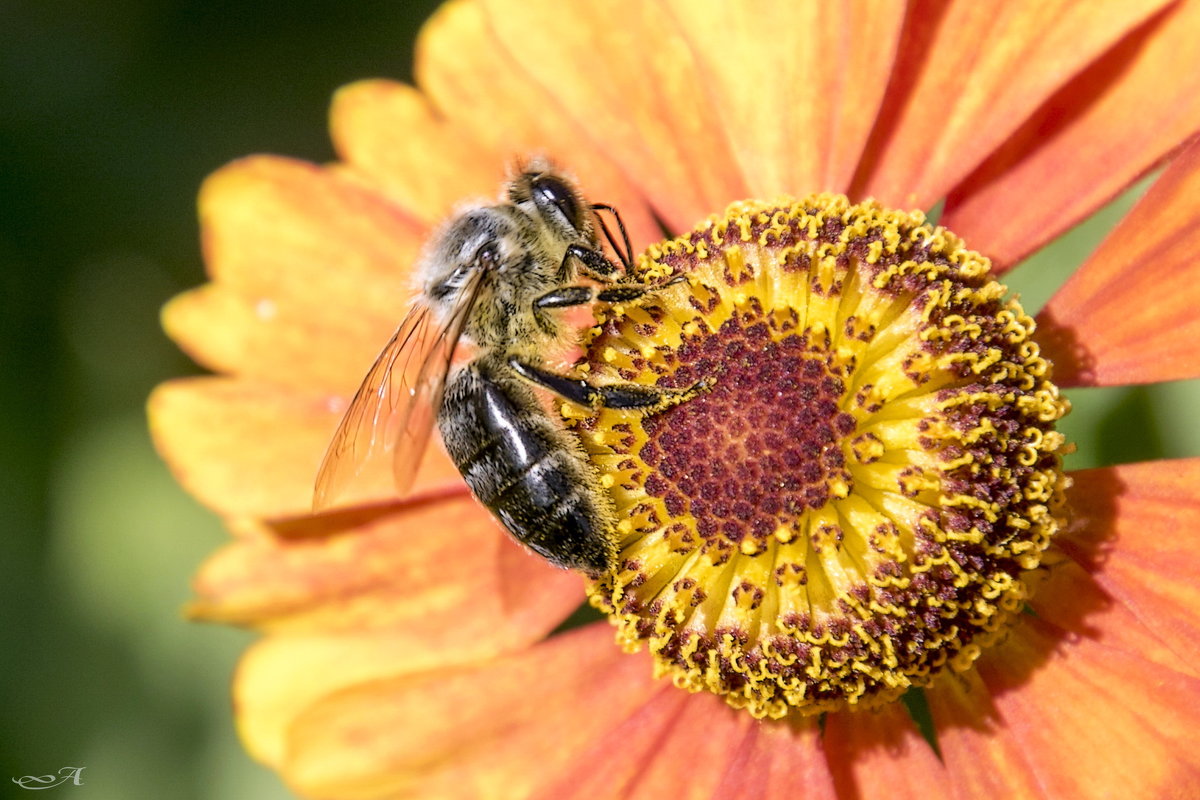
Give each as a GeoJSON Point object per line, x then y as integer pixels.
{"type": "Point", "coordinates": [860, 497]}
{"type": "Point", "coordinates": [747, 458]}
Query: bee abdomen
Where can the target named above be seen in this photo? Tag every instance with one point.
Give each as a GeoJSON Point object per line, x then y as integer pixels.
{"type": "Point", "coordinates": [527, 471]}
{"type": "Point", "coordinates": [552, 517]}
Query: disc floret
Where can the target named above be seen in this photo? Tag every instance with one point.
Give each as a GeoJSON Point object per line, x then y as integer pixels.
{"type": "Point", "coordinates": [860, 498]}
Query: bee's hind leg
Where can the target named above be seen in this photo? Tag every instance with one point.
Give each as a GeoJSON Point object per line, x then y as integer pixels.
{"type": "Point", "coordinates": [647, 399]}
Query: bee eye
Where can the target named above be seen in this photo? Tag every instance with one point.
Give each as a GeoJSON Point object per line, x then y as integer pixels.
{"type": "Point", "coordinates": [549, 190]}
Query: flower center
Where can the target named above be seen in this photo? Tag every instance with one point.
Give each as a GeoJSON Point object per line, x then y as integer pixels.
{"type": "Point", "coordinates": [746, 459]}
{"type": "Point", "coordinates": [860, 496]}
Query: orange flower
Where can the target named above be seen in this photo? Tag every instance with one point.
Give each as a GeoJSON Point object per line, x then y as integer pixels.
{"type": "Point", "coordinates": [408, 647]}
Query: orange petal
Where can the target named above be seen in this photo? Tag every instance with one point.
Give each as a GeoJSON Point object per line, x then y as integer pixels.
{"type": "Point", "coordinates": [1120, 117]}
{"type": "Point", "coordinates": [1073, 600]}
{"type": "Point", "coordinates": [968, 75]}
{"type": "Point", "coordinates": [380, 595]}
{"type": "Point", "coordinates": [983, 758]}
{"type": "Point", "coordinates": [498, 731]}
{"type": "Point", "coordinates": [1128, 315]}
{"type": "Point", "coordinates": [676, 745]}
{"type": "Point", "coordinates": [881, 754]}
{"type": "Point", "coordinates": [624, 72]}
{"type": "Point", "coordinates": [1134, 531]}
{"type": "Point", "coordinates": [784, 760]}
{"type": "Point", "coordinates": [441, 573]}
{"type": "Point", "coordinates": [253, 449]}
{"type": "Point", "coordinates": [796, 98]}
{"type": "Point", "coordinates": [291, 232]}
{"type": "Point", "coordinates": [1092, 721]}
{"type": "Point", "coordinates": [510, 114]}
{"type": "Point", "coordinates": [393, 138]}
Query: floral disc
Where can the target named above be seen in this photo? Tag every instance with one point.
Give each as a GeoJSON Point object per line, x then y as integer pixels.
{"type": "Point", "coordinates": [860, 494]}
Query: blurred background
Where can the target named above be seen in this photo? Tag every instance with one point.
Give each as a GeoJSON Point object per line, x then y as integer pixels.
{"type": "Point", "coordinates": [110, 116]}
{"type": "Point", "coordinates": [111, 113]}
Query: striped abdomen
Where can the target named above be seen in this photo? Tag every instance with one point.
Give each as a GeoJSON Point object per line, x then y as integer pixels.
{"type": "Point", "coordinates": [527, 470]}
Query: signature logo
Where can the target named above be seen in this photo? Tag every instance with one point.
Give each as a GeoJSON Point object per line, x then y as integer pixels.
{"type": "Point", "coordinates": [73, 774]}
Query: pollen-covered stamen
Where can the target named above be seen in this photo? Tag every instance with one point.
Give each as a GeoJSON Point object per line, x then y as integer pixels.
{"type": "Point", "coordinates": [858, 496]}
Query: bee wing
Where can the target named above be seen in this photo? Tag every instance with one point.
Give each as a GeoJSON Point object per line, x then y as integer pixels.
{"type": "Point", "coordinates": [389, 412]}
{"type": "Point", "coordinates": [426, 393]}
{"type": "Point", "coordinates": [369, 424]}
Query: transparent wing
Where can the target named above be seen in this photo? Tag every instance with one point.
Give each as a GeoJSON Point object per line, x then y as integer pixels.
{"type": "Point", "coordinates": [427, 389]}
{"type": "Point", "coordinates": [370, 424]}
{"type": "Point", "coordinates": [392, 412]}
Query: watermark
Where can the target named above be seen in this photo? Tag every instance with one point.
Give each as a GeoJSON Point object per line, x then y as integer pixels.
{"type": "Point", "coordinates": [72, 774]}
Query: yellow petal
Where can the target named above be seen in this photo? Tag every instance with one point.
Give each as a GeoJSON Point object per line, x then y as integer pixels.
{"type": "Point", "coordinates": [370, 594]}
{"type": "Point", "coordinates": [392, 138]}
{"type": "Point", "coordinates": [497, 731]}
{"type": "Point", "coordinates": [253, 449]}
{"type": "Point", "coordinates": [441, 572]}
{"type": "Point", "coordinates": [1128, 315]}
{"type": "Point", "coordinates": [312, 276]}
{"type": "Point", "coordinates": [1120, 117]}
{"type": "Point", "coordinates": [510, 113]}
{"type": "Point", "coordinates": [281, 676]}
{"type": "Point", "coordinates": [288, 231]}
{"type": "Point", "coordinates": [968, 75]}
{"type": "Point", "coordinates": [289, 344]}
{"type": "Point", "coordinates": [794, 85]}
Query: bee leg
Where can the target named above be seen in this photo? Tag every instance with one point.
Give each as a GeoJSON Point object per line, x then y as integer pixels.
{"type": "Point", "coordinates": [565, 296]}
{"type": "Point", "coordinates": [578, 295]}
{"type": "Point", "coordinates": [595, 264]}
{"type": "Point", "coordinates": [648, 399]}
{"type": "Point", "coordinates": [625, 255]}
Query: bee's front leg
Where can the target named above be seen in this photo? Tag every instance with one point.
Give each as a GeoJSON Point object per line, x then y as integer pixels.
{"type": "Point", "coordinates": [647, 399]}
{"type": "Point", "coordinates": [625, 254]}
{"type": "Point", "coordinates": [593, 264]}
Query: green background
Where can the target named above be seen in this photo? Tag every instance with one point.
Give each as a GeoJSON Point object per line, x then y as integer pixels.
{"type": "Point", "coordinates": [111, 114]}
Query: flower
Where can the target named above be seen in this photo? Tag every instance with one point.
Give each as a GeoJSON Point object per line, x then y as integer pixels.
{"type": "Point", "coordinates": [408, 647]}
{"type": "Point", "coordinates": [862, 494]}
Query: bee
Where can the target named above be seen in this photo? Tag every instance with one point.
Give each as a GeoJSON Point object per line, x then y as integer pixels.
{"type": "Point", "coordinates": [495, 277]}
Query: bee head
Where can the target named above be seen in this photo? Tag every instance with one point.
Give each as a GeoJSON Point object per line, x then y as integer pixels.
{"type": "Point", "coordinates": [545, 193]}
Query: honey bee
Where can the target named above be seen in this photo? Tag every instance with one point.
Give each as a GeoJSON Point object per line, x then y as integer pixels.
{"type": "Point", "coordinates": [494, 276]}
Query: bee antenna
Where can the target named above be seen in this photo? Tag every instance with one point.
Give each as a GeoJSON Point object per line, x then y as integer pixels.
{"type": "Point", "coordinates": [625, 255]}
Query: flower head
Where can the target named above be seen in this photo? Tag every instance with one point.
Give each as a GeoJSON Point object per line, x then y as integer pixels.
{"type": "Point", "coordinates": [864, 496]}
